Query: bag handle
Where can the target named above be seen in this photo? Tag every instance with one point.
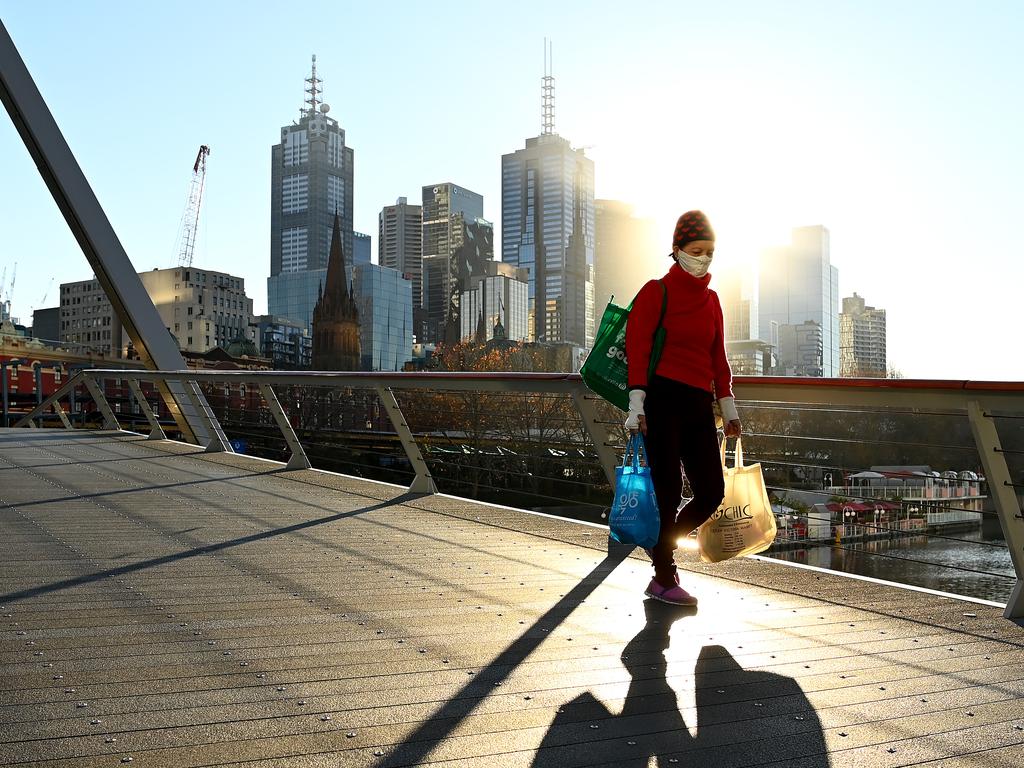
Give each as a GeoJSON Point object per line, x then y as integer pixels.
{"type": "Point", "coordinates": [738, 461]}
{"type": "Point", "coordinates": [634, 447]}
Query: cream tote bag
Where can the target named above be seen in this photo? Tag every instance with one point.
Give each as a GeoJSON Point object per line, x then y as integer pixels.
{"type": "Point", "coordinates": [744, 524]}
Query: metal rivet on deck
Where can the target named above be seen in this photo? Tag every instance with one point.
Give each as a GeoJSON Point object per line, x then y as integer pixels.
{"type": "Point", "coordinates": [378, 753]}
{"type": "Point", "coordinates": [301, 702]}
{"type": "Point", "coordinates": [350, 735]}
{"type": "Point", "coordinates": [970, 714]}
{"type": "Point", "coordinates": [325, 718]}
{"type": "Point", "coordinates": [95, 722]}
{"type": "Point", "coordinates": [844, 734]}
{"type": "Point", "coordinates": [444, 661]}
{"type": "Point", "coordinates": [891, 750]}
{"type": "Point", "coordinates": [527, 698]}
{"type": "Point", "coordinates": [881, 687]}
{"type": "Point", "coordinates": [110, 740]}
{"type": "Point", "coordinates": [971, 615]}
{"type": "Point", "coordinates": [280, 688]}
{"type": "Point", "coordinates": [758, 704]}
{"type": "Point", "coordinates": [69, 690]}
{"type": "Point", "coordinates": [82, 705]}
{"type": "Point", "coordinates": [126, 759]}
{"type": "Point", "coordinates": [595, 726]}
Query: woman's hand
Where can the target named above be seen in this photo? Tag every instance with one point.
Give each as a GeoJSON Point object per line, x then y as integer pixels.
{"type": "Point", "coordinates": [636, 420]}
{"type": "Point", "coordinates": [734, 428]}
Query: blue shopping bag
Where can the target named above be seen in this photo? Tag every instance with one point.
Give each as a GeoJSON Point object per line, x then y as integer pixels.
{"type": "Point", "coordinates": [634, 517]}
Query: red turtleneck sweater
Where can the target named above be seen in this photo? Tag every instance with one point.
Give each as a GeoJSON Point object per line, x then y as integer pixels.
{"type": "Point", "coordinates": [694, 351]}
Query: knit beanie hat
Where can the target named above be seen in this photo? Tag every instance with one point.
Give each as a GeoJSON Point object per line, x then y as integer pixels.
{"type": "Point", "coordinates": [692, 225]}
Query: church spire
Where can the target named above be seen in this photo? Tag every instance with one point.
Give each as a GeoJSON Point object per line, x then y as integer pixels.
{"type": "Point", "coordinates": [337, 283]}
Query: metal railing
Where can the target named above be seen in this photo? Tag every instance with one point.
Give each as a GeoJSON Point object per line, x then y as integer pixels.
{"type": "Point", "coordinates": [520, 437]}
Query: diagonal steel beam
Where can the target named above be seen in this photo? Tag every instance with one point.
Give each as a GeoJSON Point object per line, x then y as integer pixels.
{"type": "Point", "coordinates": [94, 233]}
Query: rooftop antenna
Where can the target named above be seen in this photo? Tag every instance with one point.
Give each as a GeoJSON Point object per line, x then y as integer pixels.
{"type": "Point", "coordinates": [548, 91]}
{"type": "Point", "coordinates": [314, 91]}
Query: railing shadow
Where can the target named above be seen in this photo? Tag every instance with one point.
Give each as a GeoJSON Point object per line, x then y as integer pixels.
{"type": "Point", "coordinates": [651, 725]}
{"type": "Point", "coordinates": [207, 549]}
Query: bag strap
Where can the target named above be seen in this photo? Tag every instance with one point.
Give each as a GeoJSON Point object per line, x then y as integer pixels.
{"type": "Point", "coordinates": [738, 456]}
{"type": "Point", "coordinates": [739, 453]}
{"type": "Point", "coordinates": [658, 337]}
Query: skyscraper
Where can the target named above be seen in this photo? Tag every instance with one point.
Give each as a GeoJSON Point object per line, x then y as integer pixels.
{"type": "Point", "coordinates": [384, 298]}
{"type": "Point", "coordinates": [494, 304]}
{"type": "Point", "coordinates": [798, 284]}
{"type": "Point", "coordinates": [862, 350]}
{"type": "Point", "coordinates": [400, 243]}
{"type": "Point", "coordinates": [627, 252]}
{"type": "Point", "coordinates": [748, 354]}
{"type": "Point", "coordinates": [457, 240]}
{"type": "Point", "coordinates": [311, 180]}
{"type": "Point", "coordinates": [547, 228]}
{"type": "Point", "coordinates": [362, 248]}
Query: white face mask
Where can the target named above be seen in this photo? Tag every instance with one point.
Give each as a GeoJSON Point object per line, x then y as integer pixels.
{"type": "Point", "coordinates": [696, 265]}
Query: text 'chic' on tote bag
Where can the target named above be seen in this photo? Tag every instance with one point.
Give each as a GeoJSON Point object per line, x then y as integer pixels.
{"type": "Point", "coordinates": [744, 524]}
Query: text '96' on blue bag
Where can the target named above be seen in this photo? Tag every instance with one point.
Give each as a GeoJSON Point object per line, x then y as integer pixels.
{"type": "Point", "coordinates": [634, 517]}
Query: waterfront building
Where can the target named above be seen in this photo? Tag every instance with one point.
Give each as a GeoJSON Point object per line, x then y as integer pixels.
{"type": "Point", "coordinates": [311, 181]}
{"type": "Point", "coordinates": [862, 350]}
{"type": "Point", "coordinates": [800, 350]}
{"type": "Point", "coordinates": [748, 354]}
{"type": "Point", "coordinates": [798, 285]}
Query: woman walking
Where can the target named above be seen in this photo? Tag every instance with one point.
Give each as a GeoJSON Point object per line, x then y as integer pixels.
{"type": "Point", "coordinates": [674, 408]}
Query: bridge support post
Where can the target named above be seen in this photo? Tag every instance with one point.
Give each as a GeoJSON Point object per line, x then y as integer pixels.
{"type": "Point", "coordinates": [1000, 486]}
{"type": "Point", "coordinates": [298, 458]}
{"type": "Point", "coordinates": [156, 432]}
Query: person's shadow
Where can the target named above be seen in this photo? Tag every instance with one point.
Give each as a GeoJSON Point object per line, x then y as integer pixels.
{"type": "Point", "coordinates": [734, 727]}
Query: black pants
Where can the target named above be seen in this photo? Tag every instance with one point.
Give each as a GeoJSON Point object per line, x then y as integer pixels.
{"type": "Point", "coordinates": [681, 436]}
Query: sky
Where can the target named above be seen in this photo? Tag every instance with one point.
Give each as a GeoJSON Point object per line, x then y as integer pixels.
{"type": "Point", "coordinates": [897, 125]}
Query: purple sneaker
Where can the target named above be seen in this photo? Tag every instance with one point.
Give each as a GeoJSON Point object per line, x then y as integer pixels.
{"type": "Point", "coordinates": [674, 595]}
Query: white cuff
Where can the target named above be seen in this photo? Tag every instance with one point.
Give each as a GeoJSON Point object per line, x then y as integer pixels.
{"type": "Point", "coordinates": [728, 406]}
{"type": "Point", "coordinates": [636, 408]}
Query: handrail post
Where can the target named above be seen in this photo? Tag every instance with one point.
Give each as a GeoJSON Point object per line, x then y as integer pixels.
{"type": "Point", "coordinates": [424, 481]}
{"type": "Point", "coordinates": [597, 433]}
{"type": "Point", "coordinates": [63, 416]}
{"type": "Point", "coordinates": [218, 440]}
{"type": "Point", "coordinates": [298, 458]}
{"type": "Point", "coordinates": [109, 419]}
{"type": "Point", "coordinates": [156, 432]}
{"type": "Point", "coordinates": [1000, 485]}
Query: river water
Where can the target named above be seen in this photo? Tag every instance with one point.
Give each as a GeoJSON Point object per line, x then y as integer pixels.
{"type": "Point", "coordinates": [972, 567]}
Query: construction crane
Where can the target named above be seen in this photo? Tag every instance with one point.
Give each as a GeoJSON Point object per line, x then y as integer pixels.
{"type": "Point", "coordinates": [190, 218]}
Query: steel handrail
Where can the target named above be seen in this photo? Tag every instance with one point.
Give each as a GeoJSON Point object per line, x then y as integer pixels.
{"type": "Point", "coordinates": [980, 400]}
